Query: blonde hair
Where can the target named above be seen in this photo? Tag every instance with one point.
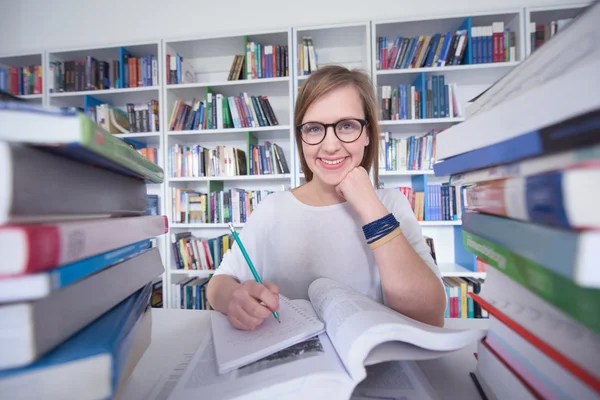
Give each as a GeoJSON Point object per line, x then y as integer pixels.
{"type": "Point", "coordinates": [323, 81]}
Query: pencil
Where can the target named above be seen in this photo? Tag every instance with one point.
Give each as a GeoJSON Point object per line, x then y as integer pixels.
{"type": "Point", "coordinates": [249, 261]}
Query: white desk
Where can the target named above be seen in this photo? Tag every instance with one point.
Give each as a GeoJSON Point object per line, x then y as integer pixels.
{"type": "Point", "coordinates": [175, 332]}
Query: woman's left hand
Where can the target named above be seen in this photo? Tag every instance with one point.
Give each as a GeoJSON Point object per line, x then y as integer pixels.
{"type": "Point", "coordinates": [358, 190]}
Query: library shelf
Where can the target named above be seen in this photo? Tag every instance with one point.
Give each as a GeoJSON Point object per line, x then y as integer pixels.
{"type": "Point", "coordinates": [440, 223]}
{"type": "Point", "coordinates": [204, 226]}
{"type": "Point", "coordinates": [451, 68]}
{"type": "Point", "coordinates": [233, 178]}
{"type": "Point", "coordinates": [240, 82]}
{"type": "Point", "coordinates": [451, 269]}
{"type": "Point", "coordinates": [274, 128]}
{"type": "Point", "coordinates": [192, 272]}
{"type": "Point", "coordinates": [405, 172]}
{"type": "Point", "coordinates": [105, 92]}
{"type": "Point", "coordinates": [31, 96]}
{"type": "Point", "coordinates": [423, 121]}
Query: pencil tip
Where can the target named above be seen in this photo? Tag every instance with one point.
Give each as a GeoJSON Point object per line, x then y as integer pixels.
{"type": "Point", "coordinates": [278, 320]}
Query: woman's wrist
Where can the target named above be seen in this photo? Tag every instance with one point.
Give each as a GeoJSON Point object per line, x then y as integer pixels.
{"type": "Point", "coordinates": [372, 213]}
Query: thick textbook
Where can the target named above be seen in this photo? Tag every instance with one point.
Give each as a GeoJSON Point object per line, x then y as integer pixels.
{"type": "Point", "coordinates": [29, 330]}
{"type": "Point", "coordinates": [580, 130]}
{"type": "Point", "coordinates": [564, 199]}
{"type": "Point", "coordinates": [568, 253]}
{"type": "Point", "coordinates": [359, 332]}
{"type": "Point", "coordinates": [36, 286]}
{"type": "Point", "coordinates": [35, 248]}
{"type": "Point", "coordinates": [90, 364]}
{"type": "Point", "coordinates": [74, 135]}
{"type": "Point", "coordinates": [37, 186]}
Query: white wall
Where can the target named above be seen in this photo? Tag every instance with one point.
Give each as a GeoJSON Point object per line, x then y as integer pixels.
{"type": "Point", "coordinates": [33, 25]}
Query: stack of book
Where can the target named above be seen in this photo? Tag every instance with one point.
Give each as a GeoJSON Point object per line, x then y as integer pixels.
{"type": "Point", "coordinates": [22, 80]}
{"type": "Point", "coordinates": [77, 267]}
{"type": "Point", "coordinates": [533, 188]}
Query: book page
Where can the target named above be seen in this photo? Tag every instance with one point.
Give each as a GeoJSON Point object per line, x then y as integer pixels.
{"type": "Point", "coordinates": [397, 380]}
{"type": "Point", "coordinates": [357, 324]}
{"type": "Point", "coordinates": [235, 347]}
{"type": "Point", "coordinates": [301, 371]}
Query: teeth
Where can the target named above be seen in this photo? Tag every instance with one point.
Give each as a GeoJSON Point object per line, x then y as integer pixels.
{"type": "Point", "coordinates": [332, 162]}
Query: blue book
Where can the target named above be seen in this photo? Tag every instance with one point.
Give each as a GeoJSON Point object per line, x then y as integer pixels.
{"type": "Point", "coordinates": [38, 286]}
{"type": "Point", "coordinates": [576, 132]}
{"type": "Point", "coordinates": [90, 363]}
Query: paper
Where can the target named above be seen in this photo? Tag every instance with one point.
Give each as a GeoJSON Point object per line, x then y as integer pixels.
{"type": "Point", "coordinates": [357, 325]}
{"type": "Point", "coordinates": [284, 374]}
{"type": "Point", "coordinates": [235, 347]}
{"type": "Point", "coordinates": [397, 380]}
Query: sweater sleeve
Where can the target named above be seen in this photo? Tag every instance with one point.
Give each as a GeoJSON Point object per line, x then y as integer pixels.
{"type": "Point", "coordinates": [252, 235]}
{"type": "Point", "coordinates": [398, 205]}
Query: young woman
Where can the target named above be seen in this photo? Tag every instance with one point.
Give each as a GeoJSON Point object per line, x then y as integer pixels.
{"type": "Point", "coordinates": [337, 225]}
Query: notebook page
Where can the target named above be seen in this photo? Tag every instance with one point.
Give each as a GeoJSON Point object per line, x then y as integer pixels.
{"type": "Point", "coordinates": [235, 348]}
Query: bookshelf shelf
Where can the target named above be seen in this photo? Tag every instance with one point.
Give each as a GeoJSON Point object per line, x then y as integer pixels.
{"type": "Point", "coordinates": [192, 272]}
{"type": "Point", "coordinates": [275, 128]}
{"type": "Point", "coordinates": [405, 173]}
{"type": "Point", "coordinates": [233, 178]}
{"type": "Point", "coordinates": [105, 92]}
{"type": "Point", "coordinates": [451, 269]}
{"type": "Point", "coordinates": [440, 223]}
{"type": "Point", "coordinates": [451, 68]}
{"type": "Point", "coordinates": [31, 96]}
{"type": "Point", "coordinates": [427, 121]}
{"type": "Point", "coordinates": [204, 226]}
{"type": "Point", "coordinates": [241, 82]}
{"type": "Point", "coordinates": [14, 65]}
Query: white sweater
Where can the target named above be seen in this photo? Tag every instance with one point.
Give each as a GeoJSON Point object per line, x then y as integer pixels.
{"type": "Point", "coordinates": [291, 244]}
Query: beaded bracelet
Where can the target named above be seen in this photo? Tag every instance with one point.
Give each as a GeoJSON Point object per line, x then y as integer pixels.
{"type": "Point", "coordinates": [381, 230]}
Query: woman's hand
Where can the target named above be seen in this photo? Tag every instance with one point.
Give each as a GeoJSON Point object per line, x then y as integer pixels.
{"type": "Point", "coordinates": [358, 190]}
{"type": "Point", "coordinates": [244, 309]}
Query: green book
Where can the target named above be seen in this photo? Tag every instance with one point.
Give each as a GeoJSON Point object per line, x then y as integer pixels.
{"type": "Point", "coordinates": [72, 134]}
{"type": "Point", "coordinates": [582, 304]}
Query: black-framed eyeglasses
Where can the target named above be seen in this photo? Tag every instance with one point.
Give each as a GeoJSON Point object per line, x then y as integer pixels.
{"type": "Point", "coordinates": [347, 130]}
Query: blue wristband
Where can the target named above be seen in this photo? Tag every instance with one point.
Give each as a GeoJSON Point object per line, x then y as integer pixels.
{"type": "Point", "coordinates": [380, 227]}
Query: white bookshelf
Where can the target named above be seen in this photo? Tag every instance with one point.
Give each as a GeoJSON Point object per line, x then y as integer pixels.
{"type": "Point", "coordinates": [25, 60]}
{"type": "Point", "coordinates": [117, 97]}
{"type": "Point", "coordinates": [547, 14]}
{"type": "Point", "coordinates": [337, 44]}
{"type": "Point", "coordinates": [210, 60]}
{"type": "Point", "coordinates": [470, 79]}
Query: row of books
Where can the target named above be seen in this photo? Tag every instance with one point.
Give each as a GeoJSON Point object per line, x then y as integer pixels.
{"type": "Point", "coordinates": [307, 56]}
{"type": "Point", "coordinates": [534, 221]}
{"type": "Point", "coordinates": [200, 254]}
{"type": "Point", "coordinates": [22, 81]}
{"type": "Point", "coordinates": [407, 154]}
{"type": "Point", "coordinates": [493, 43]}
{"type": "Point", "coordinates": [92, 74]}
{"type": "Point", "coordinates": [436, 100]}
{"type": "Point", "coordinates": [221, 112]}
{"type": "Point", "coordinates": [137, 118]}
{"type": "Point", "coordinates": [541, 33]}
{"type": "Point", "coordinates": [151, 153]}
{"type": "Point", "coordinates": [196, 161]}
{"type": "Point", "coordinates": [190, 294]}
{"type": "Point", "coordinates": [422, 51]}
{"type": "Point", "coordinates": [234, 205]}
{"type": "Point", "coordinates": [266, 61]}
{"type": "Point", "coordinates": [442, 203]}
{"type": "Point", "coordinates": [458, 302]}
{"type": "Point", "coordinates": [85, 311]}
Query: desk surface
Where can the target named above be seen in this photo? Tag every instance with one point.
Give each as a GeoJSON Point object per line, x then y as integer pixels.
{"type": "Point", "coordinates": [174, 335]}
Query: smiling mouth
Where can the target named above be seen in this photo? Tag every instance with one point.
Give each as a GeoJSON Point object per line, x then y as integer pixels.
{"type": "Point", "coordinates": [332, 162]}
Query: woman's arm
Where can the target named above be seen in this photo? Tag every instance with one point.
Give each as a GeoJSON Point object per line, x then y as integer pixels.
{"type": "Point", "coordinates": [409, 284]}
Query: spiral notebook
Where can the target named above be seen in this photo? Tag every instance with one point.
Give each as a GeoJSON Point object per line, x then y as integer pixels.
{"type": "Point", "coordinates": [236, 348]}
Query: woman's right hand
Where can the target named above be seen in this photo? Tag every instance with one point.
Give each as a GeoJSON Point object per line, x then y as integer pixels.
{"type": "Point", "coordinates": [244, 309]}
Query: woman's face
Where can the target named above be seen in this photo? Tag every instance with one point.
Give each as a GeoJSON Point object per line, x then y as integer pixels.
{"type": "Point", "coordinates": [332, 159]}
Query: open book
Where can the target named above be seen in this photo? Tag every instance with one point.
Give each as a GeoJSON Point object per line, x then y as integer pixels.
{"type": "Point", "coordinates": [359, 333]}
